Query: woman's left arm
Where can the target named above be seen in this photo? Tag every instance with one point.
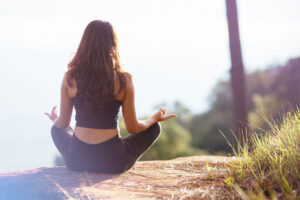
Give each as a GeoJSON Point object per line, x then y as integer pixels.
{"type": "Point", "coordinates": [66, 107]}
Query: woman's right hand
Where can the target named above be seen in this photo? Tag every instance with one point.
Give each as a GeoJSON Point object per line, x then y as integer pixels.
{"type": "Point", "coordinates": [160, 115]}
{"type": "Point", "coordinates": [53, 115]}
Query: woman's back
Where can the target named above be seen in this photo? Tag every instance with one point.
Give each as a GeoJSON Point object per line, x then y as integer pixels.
{"type": "Point", "coordinates": [99, 125]}
{"type": "Point", "coordinates": [97, 119]}
{"type": "Point", "coordinates": [106, 118]}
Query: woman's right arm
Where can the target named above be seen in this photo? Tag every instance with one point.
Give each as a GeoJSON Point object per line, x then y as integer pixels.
{"type": "Point", "coordinates": [133, 125]}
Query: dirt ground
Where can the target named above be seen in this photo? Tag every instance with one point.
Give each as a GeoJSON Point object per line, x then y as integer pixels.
{"type": "Point", "coordinates": [194, 177]}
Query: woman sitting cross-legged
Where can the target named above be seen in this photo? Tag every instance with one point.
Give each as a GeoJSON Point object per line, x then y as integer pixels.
{"type": "Point", "coordinates": [97, 87]}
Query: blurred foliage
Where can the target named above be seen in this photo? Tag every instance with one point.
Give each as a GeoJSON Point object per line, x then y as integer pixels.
{"type": "Point", "coordinates": [206, 127]}
{"type": "Point", "coordinates": [273, 92]}
{"type": "Point", "coordinates": [270, 92]}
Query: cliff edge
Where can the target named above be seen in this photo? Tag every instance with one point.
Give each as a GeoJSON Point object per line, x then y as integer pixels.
{"type": "Point", "coordinates": [194, 177]}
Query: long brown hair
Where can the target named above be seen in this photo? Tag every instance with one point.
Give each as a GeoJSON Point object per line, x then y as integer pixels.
{"type": "Point", "coordinates": [94, 63]}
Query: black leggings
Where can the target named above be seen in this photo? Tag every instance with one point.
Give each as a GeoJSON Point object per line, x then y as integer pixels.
{"type": "Point", "coordinates": [115, 155]}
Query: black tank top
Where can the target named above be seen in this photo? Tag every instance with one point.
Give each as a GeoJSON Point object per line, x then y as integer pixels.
{"type": "Point", "coordinates": [108, 119]}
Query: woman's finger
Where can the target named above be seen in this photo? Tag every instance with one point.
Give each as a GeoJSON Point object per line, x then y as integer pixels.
{"type": "Point", "coordinates": [48, 115]}
{"type": "Point", "coordinates": [172, 115]}
{"type": "Point", "coordinates": [163, 111]}
{"type": "Point", "coordinates": [169, 116]}
{"type": "Point", "coordinates": [54, 111]}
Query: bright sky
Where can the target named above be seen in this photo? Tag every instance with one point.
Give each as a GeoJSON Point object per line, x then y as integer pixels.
{"type": "Point", "coordinates": [176, 50]}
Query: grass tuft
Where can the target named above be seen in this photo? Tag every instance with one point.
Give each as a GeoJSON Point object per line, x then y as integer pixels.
{"type": "Point", "coordinates": [271, 169]}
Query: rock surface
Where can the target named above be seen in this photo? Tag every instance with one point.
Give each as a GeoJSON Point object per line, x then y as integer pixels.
{"type": "Point", "coordinates": [194, 177]}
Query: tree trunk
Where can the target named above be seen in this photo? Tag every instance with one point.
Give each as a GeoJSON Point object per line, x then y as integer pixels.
{"type": "Point", "coordinates": [237, 73]}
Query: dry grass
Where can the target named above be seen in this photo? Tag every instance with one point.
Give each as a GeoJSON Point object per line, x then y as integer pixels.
{"type": "Point", "coordinates": [271, 169]}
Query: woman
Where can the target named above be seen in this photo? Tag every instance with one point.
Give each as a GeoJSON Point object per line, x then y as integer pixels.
{"type": "Point", "coordinates": [97, 87]}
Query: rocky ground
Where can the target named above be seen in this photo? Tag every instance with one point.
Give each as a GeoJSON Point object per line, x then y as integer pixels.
{"type": "Point", "coordinates": [195, 177]}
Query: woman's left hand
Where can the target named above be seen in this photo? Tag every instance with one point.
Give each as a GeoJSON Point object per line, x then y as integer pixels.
{"type": "Point", "coordinates": [53, 116]}
{"type": "Point", "coordinates": [161, 115]}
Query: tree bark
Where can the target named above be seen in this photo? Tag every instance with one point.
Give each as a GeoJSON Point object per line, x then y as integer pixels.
{"type": "Point", "coordinates": [237, 74]}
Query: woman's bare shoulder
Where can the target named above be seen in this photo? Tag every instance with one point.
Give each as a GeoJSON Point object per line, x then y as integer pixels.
{"type": "Point", "coordinates": [128, 77]}
{"type": "Point", "coordinates": [124, 78]}
{"type": "Point", "coordinates": [69, 81]}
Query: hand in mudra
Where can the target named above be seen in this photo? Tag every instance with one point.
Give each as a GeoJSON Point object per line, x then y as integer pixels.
{"type": "Point", "coordinates": [53, 116]}
{"type": "Point", "coordinates": [160, 115]}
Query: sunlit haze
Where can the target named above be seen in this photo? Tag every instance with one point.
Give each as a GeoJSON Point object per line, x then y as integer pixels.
{"type": "Point", "coordinates": [176, 50]}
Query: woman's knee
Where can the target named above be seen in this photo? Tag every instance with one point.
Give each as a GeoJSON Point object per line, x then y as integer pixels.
{"type": "Point", "coordinates": [58, 134]}
{"type": "Point", "coordinates": [59, 131]}
{"type": "Point", "coordinates": [54, 130]}
{"type": "Point", "coordinates": [156, 128]}
{"type": "Point", "coordinates": [55, 134]}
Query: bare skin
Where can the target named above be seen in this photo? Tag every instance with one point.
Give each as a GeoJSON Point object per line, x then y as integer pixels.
{"type": "Point", "coordinates": [95, 136]}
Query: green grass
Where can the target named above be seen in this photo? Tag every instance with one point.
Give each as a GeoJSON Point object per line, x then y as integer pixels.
{"type": "Point", "coordinates": [270, 170]}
